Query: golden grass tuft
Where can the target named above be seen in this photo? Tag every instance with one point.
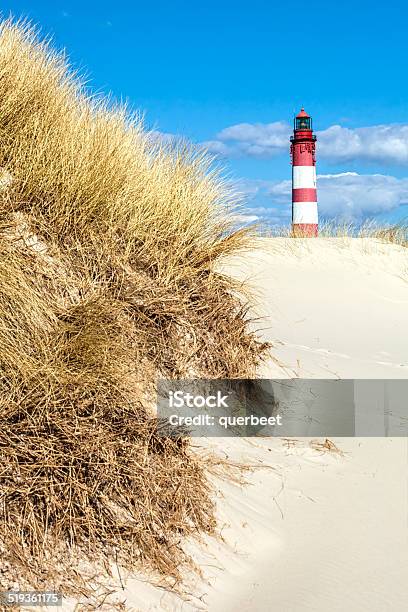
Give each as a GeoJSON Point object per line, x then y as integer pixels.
{"type": "Point", "coordinates": [109, 240]}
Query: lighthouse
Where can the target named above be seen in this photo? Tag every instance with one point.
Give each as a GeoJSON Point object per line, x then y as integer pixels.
{"type": "Point", "coordinates": [304, 194]}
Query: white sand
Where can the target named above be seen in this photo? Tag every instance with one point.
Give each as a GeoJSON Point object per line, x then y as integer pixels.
{"type": "Point", "coordinates": [334, 307]}
{"type": "Point", "coordinates": [314, 531]}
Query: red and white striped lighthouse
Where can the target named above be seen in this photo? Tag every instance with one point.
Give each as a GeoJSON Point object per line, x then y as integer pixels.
{"type": "Point", "coordinates": [304, 194]}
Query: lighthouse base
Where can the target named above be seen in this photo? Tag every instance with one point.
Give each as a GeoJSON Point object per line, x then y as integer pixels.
{"type": "Point", "coordinates": [305, 230]}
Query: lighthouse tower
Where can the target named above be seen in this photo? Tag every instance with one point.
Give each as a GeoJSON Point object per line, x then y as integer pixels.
{"type": "Point", "coordinates": [304, 194]}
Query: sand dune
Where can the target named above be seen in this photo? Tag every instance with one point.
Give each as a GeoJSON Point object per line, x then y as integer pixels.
{"type": "Point", "coordinates": [333, 307]}
{"type": "Point", "coordinates": [317, 529]}
{"type": "Point", "coordinates": [313, 531]}
{"type": "Point", "coordinates": [338, 525]}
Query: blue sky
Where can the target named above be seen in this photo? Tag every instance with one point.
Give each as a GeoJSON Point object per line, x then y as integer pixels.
{"type": "Point", "coordinates": [230, 74]}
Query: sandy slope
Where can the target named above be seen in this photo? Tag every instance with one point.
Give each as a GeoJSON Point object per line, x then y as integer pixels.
{"type": "Point", "coordinates": [311, 532]}
{"type": "Point", "coordinates": [314, 531]}
{"type": "Point", "coordinates": [334, 307]}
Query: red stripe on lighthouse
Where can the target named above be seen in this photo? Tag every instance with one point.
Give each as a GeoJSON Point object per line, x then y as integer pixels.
{"type": "Point", "coordinates": [304, 195]}
{"type": "Point", "coordinates": [307, 230]}
{"type": "Point", "coordinates": [303, 155]}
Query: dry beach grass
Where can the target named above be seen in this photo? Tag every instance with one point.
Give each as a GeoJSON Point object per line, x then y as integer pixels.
{"type": "Point", "coordinates": [108, 239]}
{"type": "Point", "coordinates": [393, 234]}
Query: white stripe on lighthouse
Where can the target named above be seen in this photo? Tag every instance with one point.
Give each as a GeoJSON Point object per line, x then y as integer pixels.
{"type": "Point", "coordinates": [304, 177]}
{"type": "Point", "coordinates": [305, 212]}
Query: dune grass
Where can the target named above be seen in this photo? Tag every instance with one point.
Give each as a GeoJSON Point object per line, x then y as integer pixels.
{"type": "Point", "coordinates": [395, 234]}
{"type": "Point", "coordinates": [109, 240]}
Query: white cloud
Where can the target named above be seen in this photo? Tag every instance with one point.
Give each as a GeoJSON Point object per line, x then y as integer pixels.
{"type": "Point", "coordinates": [377, 144]}
{"type": "Point", "coordinates": [355, 197]}
{"type": "Point", "coordinates": [347, 196]}
{"type": "Point", "coordinates": [221, 148]}
{"type": "Point", "coordinates": [251, 140]}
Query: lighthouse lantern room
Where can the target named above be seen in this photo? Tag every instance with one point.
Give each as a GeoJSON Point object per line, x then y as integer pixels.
{"type": "Point", "coordinates": [304, 194]}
